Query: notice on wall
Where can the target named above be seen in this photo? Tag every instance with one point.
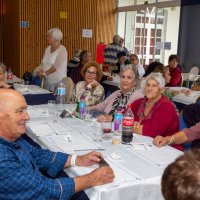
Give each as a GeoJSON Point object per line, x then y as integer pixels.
{"type": "Point", "coordinates": [163, 45]}
{"type": "Point", "coordinates": [63, 15]}
{"type": "Point", "coordinates": [24, 24]}
{"type": "Point", "coordinates": [87, 33]}
{"type": "Point", "coordinates": [159, 45]}
{"type": "Point", "coordinates": [167, 46]}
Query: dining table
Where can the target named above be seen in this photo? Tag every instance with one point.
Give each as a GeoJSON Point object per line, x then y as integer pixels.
{"type": "Point", "coordinates": [34, 94]}
{"type": "Point", "coordinates": [138, 166]}
{"type": "Point", "coordinates": [185, 99]}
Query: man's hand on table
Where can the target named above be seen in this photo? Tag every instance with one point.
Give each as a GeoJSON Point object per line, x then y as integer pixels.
{"type": "Point", "coordinates": [88, 159]}
{"type": "Point", "coordinates": [99, 176]}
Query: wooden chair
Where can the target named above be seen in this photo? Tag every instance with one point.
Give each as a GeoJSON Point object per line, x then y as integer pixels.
{"type": "Point", "coordinates": [69, 88]}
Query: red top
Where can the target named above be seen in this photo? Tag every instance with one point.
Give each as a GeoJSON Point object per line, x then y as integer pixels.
{"type": "Point", "coordinates": [175, 77]}
{"type": "Point", "coordinates": [162, 120]}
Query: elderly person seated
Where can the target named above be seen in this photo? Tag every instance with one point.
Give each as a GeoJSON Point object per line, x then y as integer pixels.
{"type": "Point", "coordinates": [120, 98]}
{"type": "Point", "coordinates": [3, 83]}
{"type": "Point", "coordinates": [122, 61]}
{"type": "Point", "coordinates": [75, 74]}
{"type": "Point", "coordinates": [174, 70]}
{"type": "Point", "coordinates": [154, 114]}
{"type": "Point", "coordinates": [169, 92]}
{"type": "Point", "coordinates": [54, 61]}
{"type": "Point", "coordinates": [135, 62]}
{"type": "Point", "coordinates": [90, 88]}
{"type": "Point", "coordinates": [181, 179]}
{"type": "Point", "coordinates": [20, 162]}
{"type": "Point", "coordinates": [74, 62]}
{"type": "Point", "coordinates": [191, 117]}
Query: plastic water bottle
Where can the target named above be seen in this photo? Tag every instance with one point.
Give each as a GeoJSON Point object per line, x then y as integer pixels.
{"type": "Point", "coordinates": [118, 116]}
{"type": "Point", "coordinates": [82, 107]}
{"type": "Point", "coordinates": [61, 93]}
{"type": "Point", "coordinates": [10, 77]}
{"type": "Point", "coordinates": [127, 126]}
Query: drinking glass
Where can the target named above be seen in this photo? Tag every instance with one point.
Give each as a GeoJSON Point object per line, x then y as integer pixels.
{"type": "Point", "coordinates": [51, 107]}
{"type": "Point", "coordinates": [88, 114]}
{"type": "Point", "coordinates": [97, 132]}
{"type": "Point", "coordinates": [107, 130]}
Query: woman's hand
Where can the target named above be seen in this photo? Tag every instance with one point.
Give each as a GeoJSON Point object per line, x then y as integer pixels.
{"type": "Point", "coordinates": [93, 84]}
{"type": "Point", "coordinates": [186, 92]}
{"type": "Point", "coordinates": [137, 128]}
{"type": "Point", "coordinates": [41, 73]}
{"type": "Point", "coordinates": [160, 141]}
{"type": "Point", "coordinates": [104, 118]}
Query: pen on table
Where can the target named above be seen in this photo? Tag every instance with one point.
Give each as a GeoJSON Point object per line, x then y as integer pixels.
{"type": "Point", "coordinates": [100, 149]}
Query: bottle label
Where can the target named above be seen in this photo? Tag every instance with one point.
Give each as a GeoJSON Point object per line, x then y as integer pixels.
{"type": "Point", "coordinates": [61, 91]}
{"type": "Point", "coordinates": [81, 105]}
{"type": "Point", "coordinates": [128, 122]}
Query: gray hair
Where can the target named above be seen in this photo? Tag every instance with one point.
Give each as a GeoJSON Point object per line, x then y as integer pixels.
{"type": "Point", "coordinates": [77, 53]}
{"type": "Point", "coordinates": [56, 33]}
{"type": "Point", "coordinates": [129, 67]}
{"type": "Point", "coordinates": [116, 39]}
{"type": "Point", "coordinates": [158, 77]}
{"type": "Point", "coordinates": [3, 67]}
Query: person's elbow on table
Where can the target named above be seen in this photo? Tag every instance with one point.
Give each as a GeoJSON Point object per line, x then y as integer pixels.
{"type": "Point", "coordinates": [105, 118]}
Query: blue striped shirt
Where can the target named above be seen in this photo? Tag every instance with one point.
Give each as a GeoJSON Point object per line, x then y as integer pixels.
{"type": "Point", "coordinates": [21, 179]}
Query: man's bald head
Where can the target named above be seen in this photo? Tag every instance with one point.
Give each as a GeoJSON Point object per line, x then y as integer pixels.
{"type": "Point", "coordinates": [8, 98]}
{"type": "Point", "coordinates": [13, 114]}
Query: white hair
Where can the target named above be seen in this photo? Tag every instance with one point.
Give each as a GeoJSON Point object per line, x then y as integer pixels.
{"type": "Point", "coordinates": [56, 33]}
{"type": "Point", "coordinates": [158, 77]}
{"type": "Point", "coordinates": [3, 67]}
{"type": "Point", "coordinates": [129, 67]}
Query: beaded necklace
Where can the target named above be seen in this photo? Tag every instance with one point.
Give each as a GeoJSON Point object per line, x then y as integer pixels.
{"type": "Point", "coordinates": [141, 111]}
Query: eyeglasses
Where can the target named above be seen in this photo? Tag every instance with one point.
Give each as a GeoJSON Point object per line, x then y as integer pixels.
{"type": "Point", "coordinates": [91, 73]}
{"type": "Point", "coordinates": [133, 59]}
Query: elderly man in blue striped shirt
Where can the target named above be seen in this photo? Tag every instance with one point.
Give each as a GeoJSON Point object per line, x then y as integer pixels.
{"type": "Point", "coordinates": [20, 162]}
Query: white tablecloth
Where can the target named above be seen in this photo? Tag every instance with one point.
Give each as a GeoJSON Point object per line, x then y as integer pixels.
{"type": "Point", "coordinates": [30, 89]}
{"type": "Point", "coordinates": [182, 98]}
{"type": "Point", "coordinates": [114, 82]}
{"type": "Point", "coordinates": [137, 172]}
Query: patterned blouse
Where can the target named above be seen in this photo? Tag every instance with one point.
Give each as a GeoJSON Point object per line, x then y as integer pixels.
{"type": "Point", "coordinates": [92, 96]}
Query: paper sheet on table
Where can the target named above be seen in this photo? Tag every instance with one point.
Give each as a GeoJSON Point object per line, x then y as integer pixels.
{"type": "Point", "coordinates": [38, 112]}
{"type": "Point", "coordinates": [78, 142]}
{"type": "Point", "coordinates": [41, 128]}
{"type": "Point", "coordinates": [78, 125]}
{"type": "Point", "coordinates": [160, 156]}
{"type": "Point", "coordinates": [121, 176]}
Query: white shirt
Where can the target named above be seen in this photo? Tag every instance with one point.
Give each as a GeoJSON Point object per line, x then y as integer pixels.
{"type": "Point", "coordinates": [141, 70]}
{"type": "Point", "coordinates": [58, 59]}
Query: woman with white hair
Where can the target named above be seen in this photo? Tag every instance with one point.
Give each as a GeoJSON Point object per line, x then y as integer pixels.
{"type": "Point", "coordinates": [3, 83]}
{"type": "Point", "coordinates": [119, 99]}
{"type": "Point", "coordinates": [54, 61]}
{"type": "Point", "coordinates": [155, 114]}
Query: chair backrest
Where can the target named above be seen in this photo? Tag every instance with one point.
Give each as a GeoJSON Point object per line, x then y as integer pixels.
{"type": "Point", "coordinates": [182, 79]}
{"type": "Point", "coordinates": [194, 70]}
{"type": "Point", "coordinates": [69, 88]}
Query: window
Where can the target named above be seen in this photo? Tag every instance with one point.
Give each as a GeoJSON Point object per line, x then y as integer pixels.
{"type": "Point", "coordinates": [146, 30]}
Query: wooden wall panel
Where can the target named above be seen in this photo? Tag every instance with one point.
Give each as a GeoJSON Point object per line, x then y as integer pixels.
{"type": "Point", "coordinates": [1, 29]}
{"type": "Point", "coordinates": [98, 15]}
{"type": "Point", "coordinates": [11, 50]}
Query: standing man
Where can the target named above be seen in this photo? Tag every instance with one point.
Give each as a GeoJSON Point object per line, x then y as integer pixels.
{"type": "Point", "coordinates": [111, 51]}
{"type": "Point", "coordinates": [20, 177]}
